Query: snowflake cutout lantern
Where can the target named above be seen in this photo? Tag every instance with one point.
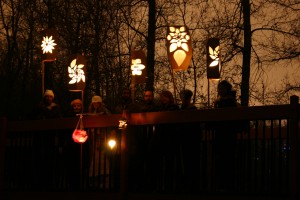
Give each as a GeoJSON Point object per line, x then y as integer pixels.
{"type": "Point", "coordinates": [76, 72]}
{"type": "Point", "coordinates": [179, 47]}
{"type": "Point", "coordinates": [48, 44]}
{"type": "Point", "coordinates": [137, 67]}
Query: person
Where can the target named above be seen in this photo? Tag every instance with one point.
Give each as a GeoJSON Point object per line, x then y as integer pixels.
{"type": "Point", "coordinates": [190, 146]}
{"type": "Point", "coordinates": [48, 140]}
{"type": "Point", "coordinates": [167, 102]}
{"type": "Point", "coordinates": [76, 108]}
{"type": "Point", "coordinates": [186, 98]}
{"type": "Point", "coordinates": [126, 103]}
{"type": "Point", "coordinates": [47, 108]}
{"type": "Point", "coordinates": [148, 104]}
{"type": "Point", "coordinates": [97, 106]}
{"type": "Point", "coordinates": [225, 140]}
{"type": "Point", "coordinates": [73, 151]}
{"type": "Point", "coordinates": [96, 138]}
{"type": "Point", "coordinates": [226, 96]}
{"type": "Point", "coordinates": [164, 148]}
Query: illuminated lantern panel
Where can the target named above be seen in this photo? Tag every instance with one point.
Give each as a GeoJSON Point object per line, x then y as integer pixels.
{"type": "Point", "coordinates": [122, 124]}
{"type": "Point", "coordinates": [76, 73]}
{"type": "Point", "coordinates": [138, 66]}
{"type": "Point", "coordinates": [179, 46]}
{"type": "Point", "coordinates": [49, 45]}
{"type": "Point", "coordinates": [79, 136]}
{"type": "Point", "coordinates": [213, 58]}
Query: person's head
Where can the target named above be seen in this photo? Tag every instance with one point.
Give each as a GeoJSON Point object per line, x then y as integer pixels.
{"type": "Point", "coordinates": [76, 105]}
{"type": "Point", "coordinates": [96, 101]}
{"type": "Point", "coordinates": [148, 96]}
{"type": "Point", "coordinates": [224, 88]}
{"type": "Point", "coordinates": [126, 94]}
{"type": "Point", "coordinates": [186, 95]}
{"type": "Point", "coordinates": [48, 97]}
{"type": "Point", "coordinates": [166, 97]}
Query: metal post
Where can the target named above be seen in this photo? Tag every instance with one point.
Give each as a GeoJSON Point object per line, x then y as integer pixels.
{"type": "Point", "coordinates": [43, 77]}
{"type": "Point", "coordinates": [3, 131]}
{"type": "Point", "coordinates": [124, 163]}
{"type": "Point", "coordinates": [294, 149]}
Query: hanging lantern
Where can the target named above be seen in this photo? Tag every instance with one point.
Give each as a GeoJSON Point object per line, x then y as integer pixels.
{"type": "Point", "coordinates": [79, 135]}
{"type": "Point", "coordinates": [122, 123]}
{"type": "Point", "coordinates": [138, 65]}
{"type": "Point", "coordinates": [213, 58]}
{"type": "Point", "coordinates": [49, 45]}
{"type": "Point", "coordinates": [179, 47]}
{"type": "Point", "coordinates": [77, 73]}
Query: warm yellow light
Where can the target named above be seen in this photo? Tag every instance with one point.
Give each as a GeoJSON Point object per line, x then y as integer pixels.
{"type": "Point", "coordinates": [214, 55]}
{"type": "Point", "coordinates": [137, 66]}
{"type": "Point", "coordinates": [76, 72]}
{"type": "Point", "coordinates": [179, 47]}
{"type": "Point", "coordinates": [122, 123]}
{"type": "Point", "coordinates": [48, 44]}
{"type": "Point", "coordinates": [112, 143]}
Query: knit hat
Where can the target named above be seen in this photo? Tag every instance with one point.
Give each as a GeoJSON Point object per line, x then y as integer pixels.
{"type": "Point", "coordinates": [96, 99]}
{"type": "Point", "coordinates": [76, 101]}
{"type": "Point", "coordinates": [49, 93]}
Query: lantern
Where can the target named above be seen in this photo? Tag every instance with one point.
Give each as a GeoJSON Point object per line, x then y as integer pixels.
{"type": "Point", "coordinates": [76, 71]}
{"type": "Point", "coordinates": [79, 135]}
{"type": "Point", "coordinates": [122, 123]}
{"type": "Point", "coordinates": [138, 66]}
{"type": "Point", "coordinates": [213, 58]}
{"type": "Point", "coordinates": [49, 45]}
{"type": "Point", "coordinates": [179, 47]}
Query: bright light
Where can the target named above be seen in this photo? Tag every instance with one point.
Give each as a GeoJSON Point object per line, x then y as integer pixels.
{"type": "Point", "coordinates": [214, 55]}
{"type": "Point", "coordinates": [76, 72]}
{"type": "Point", "coordinates": [112, 143]}
{"type": "Point", "coordinates": [137, 67]}
{"type": "Point", "coordinates": [48, 44]}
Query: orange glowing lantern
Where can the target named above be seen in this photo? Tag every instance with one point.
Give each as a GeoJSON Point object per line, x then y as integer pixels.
{"type": "Point", "coordinates": [213, 58]}
{"type": "Point", "coordinates": [79, 135]}
{"type": "Point", "coordinates": [76, 71]}
{"type": "Point", "coordinates": [179, 46]}
{"type": "Point", "coordinates": [49, 45]}
{"type": "Point", "coordinates": [138, 66]}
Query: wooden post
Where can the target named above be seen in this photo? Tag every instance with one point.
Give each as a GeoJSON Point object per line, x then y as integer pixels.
{"type": "Point", "coordinates": [294, 149]}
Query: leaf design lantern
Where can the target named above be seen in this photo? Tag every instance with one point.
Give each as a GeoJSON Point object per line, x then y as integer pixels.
{"type": "Point", "coordinates": [49, 45]}
{"type": "Point", "coordinates": [77, 73]}
{"type": "Point", "coordinates": [179, 47]}
{"type": "Point", "coordinates": [213, 58]}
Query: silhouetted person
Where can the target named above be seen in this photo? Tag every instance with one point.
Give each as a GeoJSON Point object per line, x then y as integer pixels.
{"type": "Point", "coordinates": [225, 140]}
{"type": "Point", "coordinates": [190, 141]}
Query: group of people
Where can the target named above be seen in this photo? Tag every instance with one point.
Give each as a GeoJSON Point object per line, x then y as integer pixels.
{"type": "Point", "coordinates": [156, 137]}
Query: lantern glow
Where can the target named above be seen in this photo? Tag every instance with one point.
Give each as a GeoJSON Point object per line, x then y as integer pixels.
{"type": "Point", "coordinates": [76, 72]}
{"type": "Point", "coordinates": [213, 58]}
{"type": "Point", "coordinates": [79, 136]}
{"type": "Point", "coordinates": [179, 47]}
{"type": "Point", "coordinates": [122, 124]}
{"type": "Point", "coordinates": [138, 66]}
{"type": "Point", "coordinates": [49, 45]}
{"type": "Point", "coordinates": [112, 143]}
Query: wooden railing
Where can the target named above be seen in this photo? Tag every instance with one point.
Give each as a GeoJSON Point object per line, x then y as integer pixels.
{"type": "Point", "coordinates": [267, 157]}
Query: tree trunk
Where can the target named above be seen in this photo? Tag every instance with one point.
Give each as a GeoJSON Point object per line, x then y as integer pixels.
{"type": "Point", "coordinates": [151, 44]}
{"type": "Point", "coordinates": [246, 54]}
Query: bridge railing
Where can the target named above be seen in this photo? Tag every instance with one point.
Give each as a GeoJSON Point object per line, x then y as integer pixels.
{"type": "Point", "coordinates": [173, 152]}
